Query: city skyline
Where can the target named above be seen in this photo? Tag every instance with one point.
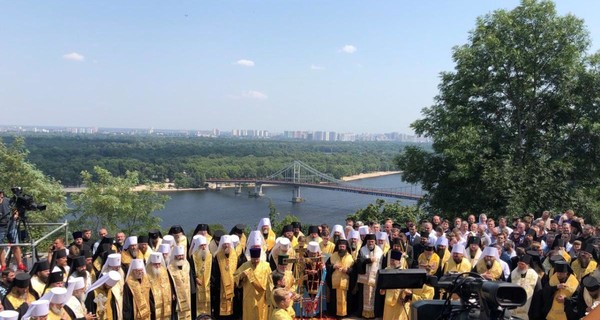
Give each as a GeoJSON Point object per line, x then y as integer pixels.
{"type": "Point", "coordinates": [293, 65]}
{"type": "Point", "coordinates": [311, 135]}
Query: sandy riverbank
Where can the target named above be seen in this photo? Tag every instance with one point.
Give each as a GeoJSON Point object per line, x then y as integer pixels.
{"type": "Point", "coordinates": [369, 175]}
{"type": "Point", "coordinates": [168, 187]}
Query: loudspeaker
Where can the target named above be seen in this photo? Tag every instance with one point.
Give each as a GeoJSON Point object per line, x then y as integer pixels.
{"type": "Point", "coordinates": [429, 309]}
{"type": "Point", "coordinates": [401, 278]}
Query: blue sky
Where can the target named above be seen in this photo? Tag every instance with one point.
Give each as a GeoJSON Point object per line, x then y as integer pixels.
{"type": "Point", "coordinates": [346, 66]}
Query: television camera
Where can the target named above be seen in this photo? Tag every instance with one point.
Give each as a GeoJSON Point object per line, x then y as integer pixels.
{"type": "Point", "coordinates": [24, 202]}
{"type": "Point", "coordinates": [480, 299]}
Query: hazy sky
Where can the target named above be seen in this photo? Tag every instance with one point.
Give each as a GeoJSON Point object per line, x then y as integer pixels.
{"type": "Point", "coordinates": [346, 66]}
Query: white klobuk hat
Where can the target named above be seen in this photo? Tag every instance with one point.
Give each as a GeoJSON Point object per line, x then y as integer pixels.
{"type": "Point", "coordinates": [110, 279]}
{"type": "Point", "coordinates": [135, 264]}
{"type": "Point", "coordinates": [9, 315]}
{"type": "Point", "coordinates": [313, 247]}
{"type": "Point", "coordinates": [363, 230]}
{"type": "Point", "coordinates": [264, 222]}
{"type": "Point", "coordinates": [38, 308]}
{"type": "Point", "coordinates": [130, 241]}
{"type": "Point", "coordinates": [458, 248]}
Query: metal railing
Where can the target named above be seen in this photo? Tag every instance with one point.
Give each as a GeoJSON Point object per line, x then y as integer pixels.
{"type": "Point", "coordinates": [35, 243]}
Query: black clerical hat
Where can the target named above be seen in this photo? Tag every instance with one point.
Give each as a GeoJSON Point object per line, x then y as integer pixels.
{"type": "Point", "coordinates": [370, 236]}
{"type": "Point", "coordinates": [525, 259]}
{"type": "Point", "coordinates": [78, 262]}
{"type": "Point", "coordinates": [40, 265]}
{"type": "Point", "coordinates": [238, 229]}
{"type": "Point", "coordinates": [396, 255]}
{"type": "Point", "coordinates": [561, 266]}
{"type": "Point", "coordinates": [474, 240]}
{"type": "Point", "coordinates": [154, 234]}
{"type": "Point", "coordinates": [282, 259]}
{"type": "Point", "coordinates": [217, 235]}
{"type": "Point", "coordinates": [143, 239]}
{"type": "Point", "coordinates": [287, 228]}
{"type": "Point", "coordinates": [590, 283]}
{"type": "Point", "coordinates": [255, 252]}
{"type": "Point", "coordinates": [175, 229]}
{"type": "Point", "coordinates": [22, 280]}
{"type": "Point", "coordinates": [57, 276]}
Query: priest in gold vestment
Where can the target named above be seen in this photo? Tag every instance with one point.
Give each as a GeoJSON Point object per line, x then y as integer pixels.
{"type": "Point", "coordinates": [137, 304]}
{"type": "Point", "coordinates": [222, 287]}
{"type": "Point", "coordinates": [488, 266]}
{"type": "Point", "coordinates": [252, 276]}
{"type": "Point", "coordinates": [564, 284]}
{"type": "Point", "coordinates": [339, 266]}
{"type": "Point", "coordinates": [19, 297]}
{"type": "Point", "coordinates": [105, 297]}
{"type": "Point", "coordinates": [179, 270]}
{"type": "Point", "coordinates": [203, 265]}
{"type": "Point", "coordinates": [458, 263]}
{"type": "Point", "coordinates": [160, 287]}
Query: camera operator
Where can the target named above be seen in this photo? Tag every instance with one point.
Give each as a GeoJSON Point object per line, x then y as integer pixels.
{"type": "Point", "coordinates": [8, 231]}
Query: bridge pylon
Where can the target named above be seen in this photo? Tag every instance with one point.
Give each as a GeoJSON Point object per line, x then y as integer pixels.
{"type": "Point", "coordinates": [296, 198]}
{"type": "Point", "coordinates": [257, 191]}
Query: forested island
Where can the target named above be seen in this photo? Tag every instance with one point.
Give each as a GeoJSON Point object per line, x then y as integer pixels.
{"type": "Point", "coordinates": [188, 161]}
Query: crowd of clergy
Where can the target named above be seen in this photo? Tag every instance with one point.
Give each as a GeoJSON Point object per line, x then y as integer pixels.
{"type": "Point", "coordinates": [253, 273]}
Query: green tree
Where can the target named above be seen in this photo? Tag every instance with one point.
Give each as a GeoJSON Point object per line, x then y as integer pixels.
{"type": "Point", "coordinates": [274, 216]}
{"type": "Point", "coordinates": [381, 210]}
{"type": "Point", "coordinates": [111, 202]}
{"type": "Point", "coordinates": [516, 125]}
{"type": "Point", "coordinates": [15, 171]}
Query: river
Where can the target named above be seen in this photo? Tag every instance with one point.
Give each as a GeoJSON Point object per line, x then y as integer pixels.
{"type": "Point", "coordinates": [188, 208]}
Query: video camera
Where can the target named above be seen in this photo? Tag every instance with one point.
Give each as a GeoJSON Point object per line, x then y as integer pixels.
{"type": "Point", "coordinates": [24, 202]}
{"type": "Point", "coordinates": [479, 298]}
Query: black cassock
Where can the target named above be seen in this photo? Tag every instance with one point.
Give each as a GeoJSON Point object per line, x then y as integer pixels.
{"type": "Point", "coordinates": [20, 309]}
{"type": "Point", "coordinates": [332, 304]}
{"type": "Point", "coordinates": [23, 307]}
{"type": "Point", "coordinates": [215, 293]}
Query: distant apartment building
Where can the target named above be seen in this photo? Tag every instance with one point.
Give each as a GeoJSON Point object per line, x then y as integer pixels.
{"type": "Point", "coordinates": [250, 133]}
{"type": "Point", "coordinates": [347, 137]}
{"type": "Point", "coordinates": [208, 133]}
{"type": "Point", "coordinates": [295, 135]}
{"type": "Point", "coordinates": [82, 130]}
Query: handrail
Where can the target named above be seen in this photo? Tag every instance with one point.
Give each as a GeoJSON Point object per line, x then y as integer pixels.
{"type": "Point", "coordinates": [35, 243]}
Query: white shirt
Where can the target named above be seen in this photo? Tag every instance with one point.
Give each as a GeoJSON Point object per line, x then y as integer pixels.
{"type": "Point", "coordinates": [505, 269]}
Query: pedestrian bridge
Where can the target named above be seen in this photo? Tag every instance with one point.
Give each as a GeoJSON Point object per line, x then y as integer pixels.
{"type": "Point", "coordinates": [298, 174]}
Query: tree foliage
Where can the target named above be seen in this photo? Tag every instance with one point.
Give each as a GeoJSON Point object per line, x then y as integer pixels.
{"type": "Point", "coordinates": [381, 210]}
{"type": "Point", "coordinates": [110, 202]}
{"type": "Point", "coordinates": [16, 171]}
{"type": "Point", "coordinates": [274, 216]}
{"type": "Point", "coordinates": [189, 161]}
{"type": "Point", "coordinates": [516, 125]}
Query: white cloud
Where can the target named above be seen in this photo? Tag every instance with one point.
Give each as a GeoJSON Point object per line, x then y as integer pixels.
{"type": "Point", "coordinates": [73, 56]}
{"type": "Point", "coordinates": [245, 63]}
{"type": "Point", "coordinates": [350, 49]}
{"type": "Point", "coordinates": [253, 94]}
{"type": "Point", "coordinates": [315, 67]}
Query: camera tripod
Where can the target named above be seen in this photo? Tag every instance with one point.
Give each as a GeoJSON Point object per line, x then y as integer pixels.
{"type": "Point", "coordinates": [21, 234]}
